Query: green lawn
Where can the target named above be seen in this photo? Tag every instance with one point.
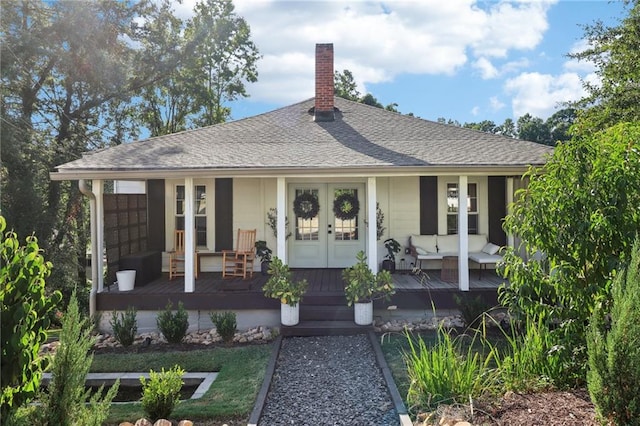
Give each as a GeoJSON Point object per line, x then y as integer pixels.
{"type": "Point", "coordinates": [232, 395]}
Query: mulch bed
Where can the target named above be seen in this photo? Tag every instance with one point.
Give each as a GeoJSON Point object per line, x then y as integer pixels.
{"type": "Point", "coordinates": [567, 408]}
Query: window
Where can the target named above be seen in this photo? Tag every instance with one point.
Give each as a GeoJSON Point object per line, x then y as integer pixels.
{"type": "Point", "coordinates": [452, 208]}
{"type": "Point", "coordinates": [200, 212]}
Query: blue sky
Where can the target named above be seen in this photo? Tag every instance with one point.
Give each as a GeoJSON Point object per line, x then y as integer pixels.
{"type": "Point", "coordinates": [461, 59]}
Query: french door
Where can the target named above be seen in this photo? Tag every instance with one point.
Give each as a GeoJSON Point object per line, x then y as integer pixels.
{"type": "Point", "coordinates": [327, 224]}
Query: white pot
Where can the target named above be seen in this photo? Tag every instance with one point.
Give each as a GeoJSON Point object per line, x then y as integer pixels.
{"type": "Point", "coordinates": [126, 279]}
{"type": "Point", "coordinates": [289, 315]}
{"type": "Point", "coordinates": [363, 313]}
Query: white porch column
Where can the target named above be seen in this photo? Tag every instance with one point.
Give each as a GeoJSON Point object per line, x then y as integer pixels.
{"type": "Point", "coordinates": [372, 232]}
{"type": "Point", "coordinates": [463, 235]}
{"type": "Point", "coordinates": [98, 190]}
{"type": "Point", "coordinates": [189, 236]}
{"type": "Point", "coordinates": [510, 238]}
{"type": "Point", "coordinates": [281, 207]}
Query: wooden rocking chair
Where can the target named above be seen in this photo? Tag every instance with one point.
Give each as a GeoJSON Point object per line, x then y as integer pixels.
{"type": "Point", "coordinates": [239, 262]}
{"type": "Point", "coordinates": [177, 257]}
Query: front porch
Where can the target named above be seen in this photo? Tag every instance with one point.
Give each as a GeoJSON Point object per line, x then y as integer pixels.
{"type": "Point", "coordinates": [212, 292]}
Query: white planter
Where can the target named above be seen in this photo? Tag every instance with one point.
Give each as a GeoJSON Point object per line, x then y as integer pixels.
{"type": "Point", "coordinates": [126, 279]}
{"type": "Point", "coordinates": [363, 313]}
{"type": "Point", "coordinates": [289, 315]}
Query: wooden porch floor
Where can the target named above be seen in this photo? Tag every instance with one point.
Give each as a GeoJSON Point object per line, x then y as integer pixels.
{"type": "Point", "coordinates": [214, 292]}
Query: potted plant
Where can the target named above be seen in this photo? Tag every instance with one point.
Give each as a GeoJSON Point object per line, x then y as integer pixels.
{"type": "Point", "coordinates": [281, 286]}
{"type": "Point", "coordinates": [264, 253]}
{"type": "Point", "coordinates": [393, 247]}
{"type": "Point", "coordinates": [362, 286]}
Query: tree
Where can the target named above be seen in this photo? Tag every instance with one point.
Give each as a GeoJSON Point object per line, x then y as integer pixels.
{"type": "Point", "coordinates": [224, 58]}
{"type": "Point", "coordinates": [345, 87]}
{"type": "Point", "coordinates": [508, 128]}
{"type": "Point", "coordinates": [559, 125]}
{"type": "Point", "coordinates": [614, 350]}
{"type": "Point", "coordinates": [581, 211]}
{"type": "Point", "coordinates": [24, 319]}
{"type": "Point", "coordinates": [615, 51]}
{"type": "Point", "coordinates": [486, 126]}
{"type": "Point", "coordinates": [533, 129]}
{"type": "Point", "coordinates": [68, 69]}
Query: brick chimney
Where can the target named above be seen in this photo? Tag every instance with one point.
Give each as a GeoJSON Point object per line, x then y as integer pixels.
{"type": "Point", "coordinates": [324, 83]}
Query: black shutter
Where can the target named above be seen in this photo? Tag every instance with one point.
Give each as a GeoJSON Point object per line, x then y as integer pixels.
{"type": "Point", "coordinates": [224, 214]}
{"type": "Point", "coordinates": [497, 209]}
{"type": "Point", "coordinates": [428, 205]}
{"type": "Point", "coordinates": [155, 215]}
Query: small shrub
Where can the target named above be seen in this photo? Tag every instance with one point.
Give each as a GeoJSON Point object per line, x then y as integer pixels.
{"type": "Point", "coordinates": [161, 392]}
{"type": "Point", "coordinates": [472, 309]}
{"type": "Point", "coordinates": [225, 323]}
{"type": "Point", "coordinates": [66, 401]}
{"type": "Point", "coordinates": [614, 354]}
{"type": "Point", "coordinates": [173, 326]}
{"type": "Point", "coordinates": [124, 326]}
{"type": "Point", "coordinates": [447, 372]}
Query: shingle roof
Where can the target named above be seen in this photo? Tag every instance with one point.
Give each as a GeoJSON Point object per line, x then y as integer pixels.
{"type": "Point", "coordinates": [360, 136]}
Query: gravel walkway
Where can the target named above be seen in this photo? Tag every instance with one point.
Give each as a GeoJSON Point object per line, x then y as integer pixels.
{"type": "Point", "coordinates": [328, 380]}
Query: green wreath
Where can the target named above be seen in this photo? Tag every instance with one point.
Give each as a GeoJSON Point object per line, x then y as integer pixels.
{"type": "Point", "coordinates": [306, 205]}
{"type": "Point", "coordinates": [346, 206]}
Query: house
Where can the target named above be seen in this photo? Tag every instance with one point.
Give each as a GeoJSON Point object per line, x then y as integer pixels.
{"type": "Point", "coordinates": [425, 178]}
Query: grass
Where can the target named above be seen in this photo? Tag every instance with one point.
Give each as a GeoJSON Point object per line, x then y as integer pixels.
{"type": "Point", "coordinates": [232, 395]}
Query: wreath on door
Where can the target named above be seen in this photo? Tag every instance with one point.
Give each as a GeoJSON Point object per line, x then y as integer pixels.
{"type": "Point", "coordinates": [346, 206]}
{"type": "Point", "coordinates": [306, 205]}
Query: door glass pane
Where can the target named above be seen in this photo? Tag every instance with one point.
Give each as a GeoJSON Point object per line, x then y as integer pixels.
{"type": "Point", "coordinates": [306, 229]}
{"type": "Point", "coordinates": [347, 229]}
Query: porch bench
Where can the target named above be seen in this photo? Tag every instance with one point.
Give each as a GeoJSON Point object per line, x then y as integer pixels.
{"type": "Point", "coordinates": [147, 264]}
{"type": "Point", "coordinates": [435, 247]}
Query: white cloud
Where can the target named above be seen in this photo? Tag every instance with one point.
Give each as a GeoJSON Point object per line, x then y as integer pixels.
{"type": "Point", "coordinates": [487, 70]}
{"type": "Point", "coordinates": [475, 111]}
{"type": "Point", "coordinates": [495, 103]}
{"type": "Point", "coordinates": [574, 65]}
{"type": "Point", "coordinates": [540, 94]}
{"type": "Point", "coordinates": [378, 41]}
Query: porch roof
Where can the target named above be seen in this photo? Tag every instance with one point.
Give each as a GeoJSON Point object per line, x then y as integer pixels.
{"type": "Point", "coordinates": [362, 140]}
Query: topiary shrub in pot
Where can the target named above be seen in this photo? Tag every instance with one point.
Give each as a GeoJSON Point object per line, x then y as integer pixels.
{"type": "Point", "coordinates": [393, 248]}
{"type": "Point", "coordinates": [282, 287]}
{"type": "Point", "coordinates": [264, 253]}
{"type": "Point", "coordinates": [362, 287]}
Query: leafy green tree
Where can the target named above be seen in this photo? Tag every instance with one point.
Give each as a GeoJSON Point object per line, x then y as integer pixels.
{"type": "Point", "coordinates": [344, 86]}
{"type": "Point", "coordinates": [533, 129]}
{"type": "Point", "coordinates": [486, 126]}
{"type": "Point", "coordinates": [508, 128]}
{"type": "Point", "coordinates": [614, 350]}
{"type": "Point", "coordinates": [581, 212]}
{"type": "Point", "coordinates": [25, 317]}
{"type": "Point", "coordinates": [224, 59]}
{"type": "Point", "coordinates": [615, 51]}
{"type": "Point", "coordinates": [559, 125]}
{"type": "Point", "coordinates": [68, 71]}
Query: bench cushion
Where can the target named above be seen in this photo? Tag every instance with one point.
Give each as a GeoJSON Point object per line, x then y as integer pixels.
{"type": "Point", "coordinates": [483, 258]}
{"type": "Point", "coordinates": [448, 243]}
{"type": "Point", "coordinates": [426, 243]}
{"type": "Point", "coordinates": [477, 242]}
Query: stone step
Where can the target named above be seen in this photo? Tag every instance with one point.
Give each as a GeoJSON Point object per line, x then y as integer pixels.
{"type": "Point", "coordinates": [324, 328]}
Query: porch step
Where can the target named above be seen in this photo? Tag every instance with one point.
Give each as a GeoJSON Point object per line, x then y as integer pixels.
{"type": "Point", "coordinates": [340, 312]}
{"type": "Point", "coordinates": [324, 328]}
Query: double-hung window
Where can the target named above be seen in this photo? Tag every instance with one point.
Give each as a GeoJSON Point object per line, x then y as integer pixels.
{"type": "Point", "coordinates": [199, 210]}
{"type": "Point", "coordinates": [452, 208]}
